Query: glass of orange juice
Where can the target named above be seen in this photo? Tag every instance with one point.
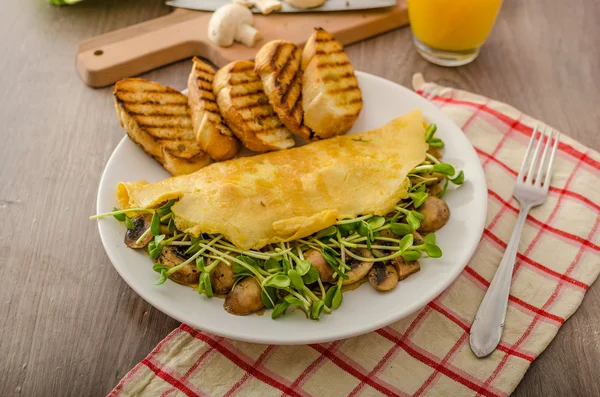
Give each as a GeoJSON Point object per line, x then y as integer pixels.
{"type": "Point", "coordinates": [451, 32]}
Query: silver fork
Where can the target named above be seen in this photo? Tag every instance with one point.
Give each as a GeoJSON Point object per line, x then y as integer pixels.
{"type": "Point", "coordinates": [530, 192]}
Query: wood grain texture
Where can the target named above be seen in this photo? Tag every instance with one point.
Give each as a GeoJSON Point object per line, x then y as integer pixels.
{"type": "Point", "coordinates": [69, 326]}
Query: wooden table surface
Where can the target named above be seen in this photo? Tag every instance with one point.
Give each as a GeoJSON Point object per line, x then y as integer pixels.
{"type": "Point", "coordinates": [69, 326]}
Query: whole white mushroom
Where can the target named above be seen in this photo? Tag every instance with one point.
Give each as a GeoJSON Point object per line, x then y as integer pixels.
{"type": "Point", "coordinates": [232, 22]}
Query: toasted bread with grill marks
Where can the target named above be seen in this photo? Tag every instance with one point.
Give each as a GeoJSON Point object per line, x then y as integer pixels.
{"type": "Point", "coordinates": [157, 118]}
{"type": "Point", "coordinates": [278, 66]}
{"type": "Point", "coordinates": [212, 134]}
{"type": "Point", "coordinates": [246, 109]}
{"type": "Point", "coordinates": [331, 97]}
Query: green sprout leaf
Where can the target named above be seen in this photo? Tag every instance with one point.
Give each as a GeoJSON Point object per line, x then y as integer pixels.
{"type": "Point", "coordinates": [376, 222]}
{"type": "Point", "coordinates": [337, 297]}
{"type": "Point", "coordinates": [347, 228]}
{"type": "Point", "coordinates": [158, 239]}
{"type": "Point", "coordinates": [237, 268]}
{"type": "Point", "coordinates": [432, 250]}
{"type": "Point", "coordinates": [303, 266]}
{"type": "Point", "coordinates": [270, 292]}
{"type": "Point", "coordinates": [332, 262]}
{"type": "Point", "coordinates": [296, 280]}
{"type": "Point", "coordinates": [431, 129]}
{"type": "Point", "coordinates": [271, 263]}
{"type": "Point", "coordinates": [315, 310]}
{"type": "Point", "coordinates": [163, 277]}
{"type": "Point", "coordinates": [444, 188]}
{"type": "Point", "coordinates": [330, 231]}
{"type": "Point", "coordinates": [413, 221]}
{"type": "Point", "coordinates": [171, 226]}
{"type": "Point", "coordinates": [155, 225]}
{"type": "Point", "coordinates": [445, 169]}
{"type": "Point", "coordinates": [205, 279]}
{"type": "Point", "coordinates": [363, 228]}
{"type": "Point", "coordinates": [119, 217]}
{"type": "Point", "coordinates": [459, 179]}
{"type": "Point", "coordinates": [401, 229]}
{"type": "Point", "coordinates": [418, 198]}
{"type": "Point", "coordinates": [200, 263]}
{"type": "Point", "coordinates": [165, 209]}
{"type": "Point", "coordinates": [280, 309]}
{"type": "Point", "coordinates": [406, 242]}
{"type": "Point", "coordinates": [159, 267]}
{"type": "Point", "coordinates": [279, 281]}
{"type": "Point", "coordinates": [311, 276]}
{"type": "Point", "coordinates": [418, 215]}
{"type": "Point", "coordinates": [129, 224]}
{"type": "Point", "coordinates": [430, 238]}
{"type": "Point", "coordinates": [436, 143]}
{"type": "Point", "coordinates": [411, 256]}
{"type": "Point", "coordinates": [293, 301]}
{"type": "Point", "coordinates": [329, 296]}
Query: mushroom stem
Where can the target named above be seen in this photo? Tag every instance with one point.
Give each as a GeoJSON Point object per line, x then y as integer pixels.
{"type": "Point", "coordinates": [247, 35]}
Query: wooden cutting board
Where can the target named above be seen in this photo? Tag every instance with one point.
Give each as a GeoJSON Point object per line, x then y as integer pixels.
{"type": "Point", "coordinates": [127, 52]}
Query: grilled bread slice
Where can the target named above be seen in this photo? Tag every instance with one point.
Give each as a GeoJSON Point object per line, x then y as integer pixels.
{"type": "Point", "coordinates": [212, 134]}
{"type": "Point", "coordinates": [246, 110]}
{"type": "Point", "coordinates": [157, 118]}
{"type": "Point", "coordinates": [278, 66]}
{"type": "Point", "coordinates": [331, 97]}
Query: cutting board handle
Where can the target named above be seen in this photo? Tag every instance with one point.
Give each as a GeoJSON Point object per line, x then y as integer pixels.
{"type": "Point", "coordinates": [104, 59]}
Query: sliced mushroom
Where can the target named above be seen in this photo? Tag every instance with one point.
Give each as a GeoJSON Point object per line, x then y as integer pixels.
{"type": "Point", "coordinates": [173, 255]}
{"type": "Point", "coordinates": [405, 268]}
{"type": "Point", "coordinates": [436, 213]}
{"type": "Point", "coordinates": [221, 278]}
{"type": "Point", "coordinates": [316, 259]}
{"type": "Point", "coordinates": [141, 223]}
{"type": "Point", "coordinates": [244, 298]}
{"type": "Point", "coordinates": [358, 270]}
{"type": "Point", "coordinates": [383, 276]}
{"type": "Point", "coordinates": [305, 4]}
{"type": "Point", "coordinates": [267, 6]}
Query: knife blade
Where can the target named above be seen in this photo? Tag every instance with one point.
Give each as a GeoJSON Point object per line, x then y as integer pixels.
{"type": "Point", "coordinates": [330, 5]}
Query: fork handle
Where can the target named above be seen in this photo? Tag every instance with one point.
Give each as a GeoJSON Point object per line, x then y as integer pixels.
{"type": "Point", "coordinates": [488, 325]}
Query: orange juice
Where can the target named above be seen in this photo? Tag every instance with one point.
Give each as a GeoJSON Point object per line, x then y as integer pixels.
{"type": "Point", "coordinates": [452, 25]}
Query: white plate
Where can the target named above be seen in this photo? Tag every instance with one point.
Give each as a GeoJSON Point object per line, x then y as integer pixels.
{"type": "Point", "coordinates": [364, 309]}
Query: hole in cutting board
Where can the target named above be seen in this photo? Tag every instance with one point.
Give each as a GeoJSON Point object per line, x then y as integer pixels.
{"type": "Point", "coordinates": [98, 52]}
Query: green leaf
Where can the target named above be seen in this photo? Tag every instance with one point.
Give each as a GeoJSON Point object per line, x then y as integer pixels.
{"type": "Point", "coordinates": [296, 280]}
{"type": "Point", "coordinates": [119, 217]}
{"type": "Point", "coordinates": [363, 228]}
{"type": "Point", "coordinates": [431, 129]}
{"type": "Point", "coordinates": [311, 277]}
{"type": "Point", "coordinates": [271, 263]}
{"type": "Point", "coordinates": [293, 301]}
{"type": "Point", "coordinates": [151, 246]}
{"type": "Point", "coordinates": [411, 256]}
{"type": "Point", "coordinates": [280, 309]}
{"type": "Point", "coordinates": [347, 228]}
{"type": "Point", "coordinates": [444, 188]}
{"type": "Point", "coordinates": [430, 238]}
{"type": "Point", "coordinates": [330, 231]}
{"type": "Point", "coordinates": [418, 215]}
{"type": "Point", "coordinates": [418, 198]}
{"type": "Point", "coordinates": [376, 222]}
{"type": "Point", "coordinates": [315, 310]}
{"type": "Point", "coordinates": [445, 169]}
{"type": "Point", "coordinates": [158, 239]}
{"type": "Point", "coordinates": [154, 250]}
{"type": "Point", "coordinates": [159, 267]}
{"type": "Point", "coordinates": [331, 251]}
{"type": "Point", "coordinates": [155, 225]}
{"type": "Point", "coordinates": [165, 209]}
{"type": "Point", "coordinates": [432, 250]}
{"type": "Point", "coordinates": [436, 143]}
{"type": "Point", "coordinates": [279, 281]}
{"type": "Point", "coordinates": [329, 296]}
{"type": "Point", "coordinates": [129, 224]}
{"type": "Point", "coordinates": [163, 277]}
{"type": "Point", "coordinates": [303, 266]}
{"type": "Point", "coordinates": [406, 242]}
{"type": "Point", "coordinates": [205, 279]}
{"type": "Point", "coordinates": [200, 288]}
{"type": "Point", "coordinates": [331, 261]}
{"type": "Point", "coordinates": [270, 292]}
{"type": "Point", "coordinates": [337, 297]}
{"type": "Point", "coordinates": [401, 229]}
{"type": "Point", "coordinates": [237, 268]}
{"type": "Point", "coordinates": [459, 179]}
{"type": "Point", "coordinates": [171, 226]}
{"type": "Point", "coordinates": [412, 221]}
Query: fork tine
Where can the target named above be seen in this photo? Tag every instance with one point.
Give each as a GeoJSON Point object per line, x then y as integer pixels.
{"type": "Point", "coordinates": [540, 172]}
{"type": "Point", "coordinates": [551, 161]}
{"type": "Point", "coordinates": [527, 155]}
{"type": "Point", "coordinates": [534, 159]}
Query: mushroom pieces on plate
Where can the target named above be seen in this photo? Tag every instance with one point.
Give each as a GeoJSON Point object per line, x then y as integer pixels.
{"type": "Point", "coordinates": [436, 214]}
{"type": "Point", "coordinates": [244, 298]}
{"type": "Point", "coordinates": [141, 223]}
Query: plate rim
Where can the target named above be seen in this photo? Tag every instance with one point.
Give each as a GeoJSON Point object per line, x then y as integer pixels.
{"type": "Point", "coordinates": [430, 295]}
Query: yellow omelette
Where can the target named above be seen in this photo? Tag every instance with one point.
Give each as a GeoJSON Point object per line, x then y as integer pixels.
{"type": "Point", "coordinates": [286, 195]}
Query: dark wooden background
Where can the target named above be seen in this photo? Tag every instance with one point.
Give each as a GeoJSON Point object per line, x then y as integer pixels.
{"type": "Point", "coordinates": [69, 326]}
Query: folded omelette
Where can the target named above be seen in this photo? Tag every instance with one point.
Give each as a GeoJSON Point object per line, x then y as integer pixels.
{"type": "Point", "coordinates": [286, 195]}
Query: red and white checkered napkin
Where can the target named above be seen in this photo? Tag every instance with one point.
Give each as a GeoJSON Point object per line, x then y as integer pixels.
{"type": "Point", "coordinates": [428, 353]}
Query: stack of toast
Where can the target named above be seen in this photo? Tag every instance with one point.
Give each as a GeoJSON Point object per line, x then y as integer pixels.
{"type": "Point", "coordinates": [311, 93]}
